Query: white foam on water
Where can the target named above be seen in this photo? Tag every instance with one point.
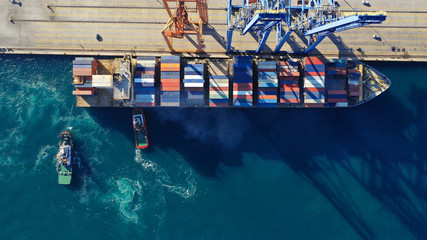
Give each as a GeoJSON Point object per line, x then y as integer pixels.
{"type": "Point", "coordinates": [124, 193]}
{"type": "Point", "coordinates": [45, 152]}
{"type": "Point", "coordinates": [182, 183]}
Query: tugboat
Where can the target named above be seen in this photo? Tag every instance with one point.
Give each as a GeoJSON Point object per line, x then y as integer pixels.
{"type": "Point", "coordinates": [140, 129]}
{"type": "Point", "coordinates": [64, 158]}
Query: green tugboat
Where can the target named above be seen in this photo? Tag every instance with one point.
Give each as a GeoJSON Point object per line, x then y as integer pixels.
{"type": "Point", "coordinates": [140, 128]}
{"type": "Point", "coordinates": [65, 158]}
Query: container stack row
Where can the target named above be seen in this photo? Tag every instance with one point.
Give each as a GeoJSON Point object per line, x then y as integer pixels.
{"type": "Point", "coordinates": [314, 82]}
{"type": "Point", "coordinates": [145, 93]}
{"type": "Point", "coordinates": [194, 85]}
{"type": "Point", "coordinates": [218, 90]}
{"type": "Point", "coordinates": [267, 84]}
{"type": "Point", "coordinates": [242, 81]}
{"type": "Point", "coordinates": [289, 82]}
{"type": "Point", "coordinates": [336, 77]}
{"type": "Point", "coordinates": [170, 81]}
{"type": "Point", "coordinates": [354, 82]}
{"type": "Point", "coordinates": [83, 69]}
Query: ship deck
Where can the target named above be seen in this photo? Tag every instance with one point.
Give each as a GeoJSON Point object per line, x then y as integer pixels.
{"type": "Point", "coordinates": [71, 27]}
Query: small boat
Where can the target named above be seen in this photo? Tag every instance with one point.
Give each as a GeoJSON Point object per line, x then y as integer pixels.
{"type": "Point", "coordinates": [140, 129]}
{"type": "Point", "coordinates": [64, 158]}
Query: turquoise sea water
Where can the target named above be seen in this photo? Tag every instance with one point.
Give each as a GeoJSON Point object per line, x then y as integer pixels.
{"type": "Point", "coordinates": [356, 173]}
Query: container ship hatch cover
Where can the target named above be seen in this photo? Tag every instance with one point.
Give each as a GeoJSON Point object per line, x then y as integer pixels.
{"type": "Point", "coordinates": [171, 81]}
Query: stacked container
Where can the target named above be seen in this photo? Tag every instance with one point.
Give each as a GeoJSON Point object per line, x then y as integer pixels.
{"type": "Point", "coordinates": [83, 69]}
{"type": "Point", "coordinates": [314, 82]}
{"type": "Point", "coordinates": [242, 81]}
{"type": "Point", "coordinates": [218, 90]}
{"type": "Point", "coordinates": [336, 78]}
{"type": "Point", "coordinates": [354, 82]}
{"type": "Point", "coordinates": [194, 85]}
{"type": "Point", "coordinates": [145, 94]}
{"type": "Point", "coordinates": [84, 66]}
{"type": "Point", "coordinates": [289, 82]}
{"type": "Point", "coordinates": [170, 81]}
{"type": "Point", "coordinates": [267, 84]}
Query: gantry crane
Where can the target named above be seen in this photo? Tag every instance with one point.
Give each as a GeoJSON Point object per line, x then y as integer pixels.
{"type": "Point", "coordinates": [180, 23]}
{"type": "Point", "coordinates": [311, 18]}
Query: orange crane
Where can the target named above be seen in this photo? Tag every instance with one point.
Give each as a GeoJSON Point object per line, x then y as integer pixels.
{"type": "Point", "coordinates": [180, 23]}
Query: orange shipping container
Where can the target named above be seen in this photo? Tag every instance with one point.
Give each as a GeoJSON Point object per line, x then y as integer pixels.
{"type": "Point", "coordinates": [314, 73]}
{"type": "Point", "coordinates": [314, 89]}
{"type": "Point", "coordinates": [174, 89]}
{"type": "Point", "coordinates": [171, 84]}
{"type": "Point", "coordinates": [267, 96]}
{"type": "Point", "coordinates": [289, 100]}
{"type": "Point", "coordinates": [289, 89]}
{"type": "Point", "coordinates": [288, 74]}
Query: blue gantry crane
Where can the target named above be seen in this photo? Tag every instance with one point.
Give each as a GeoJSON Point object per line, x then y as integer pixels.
{"type": "Point", "coordinates": [314, 19]}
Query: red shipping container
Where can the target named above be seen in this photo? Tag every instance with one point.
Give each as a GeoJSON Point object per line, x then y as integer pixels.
{"type": "Point", "coordinates": [82, 72]}
{"type": "Point", "coordinates": [314, 89]}
{"type": "Point", "coordinates": [289, 85]}
{"type": "Point", "coordinates": [313, 105]}
{"type": "Point", "coordinates": [353, 88]}
{"type": "Point", "coordinates": [354, 94]}
{"type": "Point", "coordinates": [243, 84]}
{"type": "Point", "coordinates": [288, 74]}
{"type": "Point", "coordinates": [85, 89]}
{"type": "Point", "coordinates": [353, 70]}
{"type": "Point", "coordinates": [314, 73]}
{"type": "Point", "coordinates": [242, 88]}
{"type": "Point", "coordinates": [335, 100]}
{"type": "Point", "coordinates": [283, 100]}
{"type": "Point", "coordinates": [145, 104]}
{"type": "Point", "coordinates": [212, 104]}
{"type": "Point", "coordinates": [337, 92]}
{"type": "Point", "coordinates": [314, 60]}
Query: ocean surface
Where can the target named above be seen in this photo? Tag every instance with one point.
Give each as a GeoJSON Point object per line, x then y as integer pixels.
{"type": "Point", "coordinates": [354, 173]}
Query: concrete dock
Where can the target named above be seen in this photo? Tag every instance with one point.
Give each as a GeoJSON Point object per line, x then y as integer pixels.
{"type": "Point", "coordinates": [71, 27]}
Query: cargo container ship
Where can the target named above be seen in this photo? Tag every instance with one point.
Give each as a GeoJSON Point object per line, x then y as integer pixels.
{"type": "Point", "coordinates": [241, 81]}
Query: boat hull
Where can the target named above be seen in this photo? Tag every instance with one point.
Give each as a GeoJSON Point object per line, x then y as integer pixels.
{"type": "Point", "coordinates": [65, 158]}
{"type": "Point", "coordinates": [140, 129]}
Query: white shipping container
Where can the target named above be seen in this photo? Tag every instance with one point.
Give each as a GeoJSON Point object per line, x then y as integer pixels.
{"type": "Point", "coordinates": [102, 81]}
{"type": "Point", "coordinates": [193, 84]}
{"type": "Point", "coordinates": [242, 93]}
{"type": "Point", "coordinates": [314, 100]}
{"type": "Point", "coordinates": [193, 77]}
{"type": "Point", "coordinates": [219, 84]}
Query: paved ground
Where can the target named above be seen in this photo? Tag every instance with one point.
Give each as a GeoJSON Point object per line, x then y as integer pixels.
{"type": "Point", "coordinates": [70, 26]}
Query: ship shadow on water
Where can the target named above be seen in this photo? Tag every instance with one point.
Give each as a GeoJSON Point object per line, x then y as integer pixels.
{"type": "Point", "coordinates": [379, 145]}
